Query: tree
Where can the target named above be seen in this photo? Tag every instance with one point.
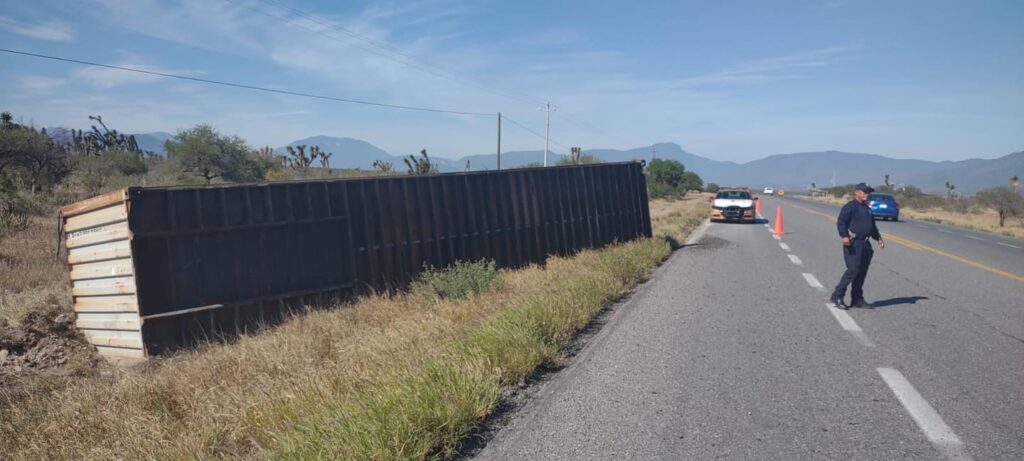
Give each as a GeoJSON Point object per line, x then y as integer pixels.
{"type": "Point", "coordinates": [664, 178]}
{"type": "Point", "coordinates": [712, 188]}
{"type": "Point", "coordinates": [950, 187]}
{"type": "Point", "coordinates": [691, 181]}
{"type": "Point", "coordinates": [1005, 201]}
{"type": "Point", "coordinates": [1015, 184]}
{"type": "Point", "coordinates": [203, 152]}
{"type": "Point", "coordinates": [886, 181]}
{"type": "Point", "coordinates": [30, 157]}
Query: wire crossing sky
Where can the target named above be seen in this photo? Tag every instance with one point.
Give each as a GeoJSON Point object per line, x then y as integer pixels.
{"type": "Point", "coordinates": [736, 80]}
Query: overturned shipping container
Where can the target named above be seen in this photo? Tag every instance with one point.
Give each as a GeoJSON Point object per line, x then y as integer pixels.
{"type": "Point", "coordinates": [155, 269]}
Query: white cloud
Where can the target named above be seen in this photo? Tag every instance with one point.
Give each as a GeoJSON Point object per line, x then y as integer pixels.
{"type": "Point", "coordinates": [51, 30]}
{"type": "Point", "coordinates": [38, 84]}
{"type": "Point", "coordinates": [785, 67]}
{"type": "Point", "coordinates": [106, 78]}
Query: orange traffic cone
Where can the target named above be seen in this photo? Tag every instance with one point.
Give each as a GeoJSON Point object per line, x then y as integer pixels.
{"type": "Point", "coordinates": [778, 222]}
{"type": "Point", "coordinates": [757, 205]}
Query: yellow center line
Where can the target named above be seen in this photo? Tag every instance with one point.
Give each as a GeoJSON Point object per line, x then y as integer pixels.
{"type": "Point", "coordinates": [920, 246]}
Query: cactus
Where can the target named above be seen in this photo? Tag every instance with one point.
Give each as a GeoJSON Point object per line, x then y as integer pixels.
{"type": "Point", "coordinates": [96, 142]}
{"type": "Point", "coordinates": [574, 155]}
{"type": "Point", "coordinates": [298, 158]}
{"type": "Point", "coordinates": [325, 159]}
{"type": "Point", "coordinates": [383, 167]}
{"type": "Point", "coordinates": [420, 165]}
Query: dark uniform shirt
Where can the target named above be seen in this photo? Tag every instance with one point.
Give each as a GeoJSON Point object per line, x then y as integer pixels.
{"type": "Point", "coordinates": [856, 217]}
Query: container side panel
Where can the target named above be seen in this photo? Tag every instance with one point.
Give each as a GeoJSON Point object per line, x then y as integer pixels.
{"type": "Point", "coordinates": [111, 214]}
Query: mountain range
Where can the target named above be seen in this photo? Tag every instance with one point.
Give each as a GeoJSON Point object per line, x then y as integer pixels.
{"type": "Point", "coordinates": [795, 171]}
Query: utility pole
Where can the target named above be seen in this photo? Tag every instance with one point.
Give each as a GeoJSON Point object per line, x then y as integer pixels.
{"type": "Point", "coordinates": [654, 154]}
{"type": "Point", "coordinates": [547, 130]}
{"type": "Point", "coordinates": [499, 140]}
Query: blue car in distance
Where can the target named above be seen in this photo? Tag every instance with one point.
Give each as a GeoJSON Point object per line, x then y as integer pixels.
{"type": "Point", "coordinates": [884, 206]}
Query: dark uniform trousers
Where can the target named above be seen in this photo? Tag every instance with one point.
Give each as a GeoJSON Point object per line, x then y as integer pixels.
{"type": "Point", "coordinates": [858, 259]}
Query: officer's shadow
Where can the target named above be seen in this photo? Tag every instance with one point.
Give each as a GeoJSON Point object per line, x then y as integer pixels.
{"type": "Point", "coordinates": [897, 301]}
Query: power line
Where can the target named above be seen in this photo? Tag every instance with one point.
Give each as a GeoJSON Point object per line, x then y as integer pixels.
{"type": "Point", "coordinates": [410, 59]}
{"type": "Point", "coordinates": [376, 47]}
{"type": "Point", "coordinates": [245, 86]}
{"type": "Point", "coordinates": [531, 131]}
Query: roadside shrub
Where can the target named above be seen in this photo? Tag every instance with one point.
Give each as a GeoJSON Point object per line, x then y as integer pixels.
{"type": "Point", "coordinates": [456, 281]}
{"type": "Point", "coordinates": [659, 190]}
{"type": "Point", "coordinates": [712, 188]}
{"type": "Point", "coordinates": [10, 220]}
{"type": "Point", "coordinates": [841, 191]}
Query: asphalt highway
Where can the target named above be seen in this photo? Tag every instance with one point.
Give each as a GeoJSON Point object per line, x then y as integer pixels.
{"type": "Point", "coordinates": [731, 351]}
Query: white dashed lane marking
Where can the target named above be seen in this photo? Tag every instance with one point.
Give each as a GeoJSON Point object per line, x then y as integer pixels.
{"type": "Point", "coordinates": [813, 282]}
{"type": "Point", "coordinates": [776, 237]}
{"type": "Point", "coordinates": [972, 237]}
{"type": "Point", "coordinates": [796, 260]}
{"type": "Point", "coordinates": [924, 415]}
{"type": "Point", "coordinates": [849, 324]}
{"type": "Point", "coordinates": [1008, 245]}
{"type": "Point", "coordinates": [784, 246]}
{"type": "Point", "coordinates": [944, 231]}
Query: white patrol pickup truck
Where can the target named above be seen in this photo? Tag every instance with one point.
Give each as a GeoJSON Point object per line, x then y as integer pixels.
{"type": "Point", "coordinates": [733, 205]}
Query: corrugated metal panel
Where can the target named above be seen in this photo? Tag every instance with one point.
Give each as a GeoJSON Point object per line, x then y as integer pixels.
{"type": "Point", "coordinates": [108, 321]}
{"type": "Point", "coordinates": [99, 252]}
{"type": "Point", "coordinates": [155, 269]}
{"type": "Point", "coordinates": [102, 269]}
{"type": "Point", "coordinates": [114, 338]}
{"type": "Point", "coordinates": [95, 235]}
{"type": "Point", "coordinates": [102, 275]}
{"type": "Point", "coordinates": [121, 303]}
{"type": "Point", "coordinates": [98, 217]}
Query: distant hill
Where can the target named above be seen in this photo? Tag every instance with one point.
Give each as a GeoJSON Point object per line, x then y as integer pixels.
{"type": "Point", "coordinates": [970, 176]}
{"type": "Point", "coordinates": [346, 152]}
{"type": "Point", "coordinates": [795, 171]}
{"type": "Point", "coordinates": [153, 142]}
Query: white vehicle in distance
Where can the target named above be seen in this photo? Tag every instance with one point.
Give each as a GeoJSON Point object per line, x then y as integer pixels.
{"type": "Point", "coordinates": [769, 191]}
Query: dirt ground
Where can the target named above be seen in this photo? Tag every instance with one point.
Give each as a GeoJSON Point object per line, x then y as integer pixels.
{"type": "Point", "coordinates": [37, 334]}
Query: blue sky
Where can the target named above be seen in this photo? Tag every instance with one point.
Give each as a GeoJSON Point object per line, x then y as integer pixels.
{"type": "Point", "coordinates": [727, 80]}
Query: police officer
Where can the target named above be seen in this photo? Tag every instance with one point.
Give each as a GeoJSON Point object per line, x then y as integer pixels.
{"type": "Point", "coordinates": [855, 225]}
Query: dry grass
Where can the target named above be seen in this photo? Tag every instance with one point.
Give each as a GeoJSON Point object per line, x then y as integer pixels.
{"type": "Point", "coordinates": [386, 377]}
{"type": "Point", "coordinates": [984, 220]}
{"type": "Point", "coordinates": [979, 220]}
{"type": "Point", "coordinates": [673, 218]}
{"type": "Point", "coordinates": [30, 277]}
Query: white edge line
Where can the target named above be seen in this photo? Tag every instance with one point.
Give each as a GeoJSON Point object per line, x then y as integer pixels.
{"type": "Point", "coordinates": [927, 419]}
{"type": "Point", "coordinates": [813, 282]}
{"type": "Point", "coordinates": [796, 260]}
{"type": "Point", "coordinates": [698, 233]}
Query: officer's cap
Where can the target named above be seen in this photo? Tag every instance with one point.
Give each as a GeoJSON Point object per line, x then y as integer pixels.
{"type": "Point", "coordinates": [864, 187]}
